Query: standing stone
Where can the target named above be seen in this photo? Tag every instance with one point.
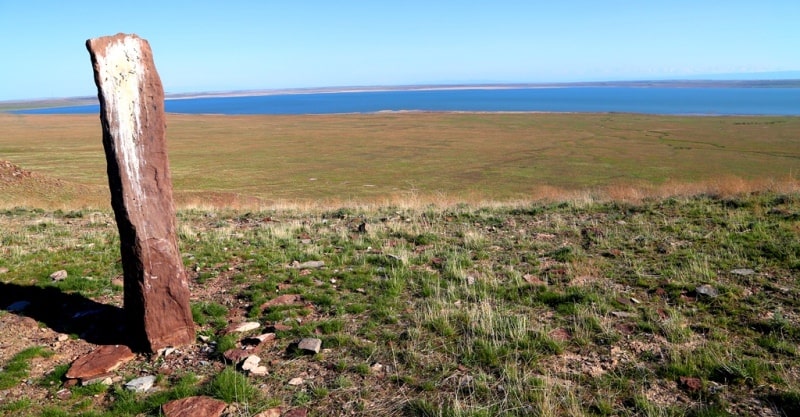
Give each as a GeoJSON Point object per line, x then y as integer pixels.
{"type": "Point", "coordinates": [156, 291]}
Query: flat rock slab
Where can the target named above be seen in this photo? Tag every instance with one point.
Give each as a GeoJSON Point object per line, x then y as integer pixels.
{"type": "Point", "coordinates": [243, 327]}
{"type": "Point", "coordinates": [100, 361]}
{"type": "Point", "coordinates": [283, 300]}
{"type": "Point", "coordinates": [141, 384]}
{"type": "Point", "coordinates": [310, 344]}
{"type": "Point", "coordinates": [194, 407]}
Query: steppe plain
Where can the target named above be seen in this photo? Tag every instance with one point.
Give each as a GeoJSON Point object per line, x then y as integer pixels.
{"type": "Point", "coordinates": [457, 264]}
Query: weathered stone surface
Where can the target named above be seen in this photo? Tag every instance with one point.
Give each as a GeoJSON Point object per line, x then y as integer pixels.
{"type": "Point", "coordinates": [59, 275]}
{"type": "Point", "coordinates": [141, 384]}
{"type": "Point", "coordinates": [250, 362]}
{"type": "Point", "coordinates": [272, 412]}
{"type": "Point", "coordinates": [259, 371]}
{"type": "Point", "coordinates": [743, 272]}
{"type": "Point", "coordinates": [283, 300]}
{"type": "Point", "coordinates": [310, 344]}
{"type": "Point", "coordinates": [235, 355]}
{"type": "Point", "coordinates": [243, 327]}
{"type": "Point", "coordinates": [194, 407]}
{"type": "Point", "coordinates": [297, 412]}
{"type": "Point", "coordinates": [100, 361]}
{"type": "Point", "coordinates": [707, 290]}
{"type": "Point", "coordinates": [156, 290]}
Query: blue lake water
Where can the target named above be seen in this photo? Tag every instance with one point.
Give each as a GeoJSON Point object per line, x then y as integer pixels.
{"type": "Point", "coordinates": [648, 100]}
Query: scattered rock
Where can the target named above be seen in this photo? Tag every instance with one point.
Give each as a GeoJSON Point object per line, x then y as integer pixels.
{"type": "Point", "coordinates": [250, 362]}
{"type": "Point", "coordinates": [194, 407]}
{"type": "Point", "coordinates": [100, 361]}
{"type": "Point", "coordinates": [310, 344]}
{"type": "Point", "coordinates": [635, 300]}
{"type": "Point", "coordinates": [59, 275]}
{"type": "Point", "coordinates": [376, 367]}
{"type": "Point", "coordinates": [297, 412]}
{"type": "Point", "coordinates": [62, 337]}
{"type": "Point", "coordinates": [560, 335]}
{"type": "Point", "coordinates": [296, 381]}
{"type": "Point", "coordinates": [18, 306]}
{"type": "Point", "coordinates": [707, 290]}
{"type": "Point", "coordinates": [691, 384]}
{"type": "Point", "coordinates": [257, 341]}
{"type": "Point", "coordinates": [533, 279]}
{"type": "Point", "coordinates": [307, 265]}
{"type": "Point", "coordinates": [278, 327]}
{"type": "Point", "coordinates": [623, 314]}
{"type": "Point", "coordinates": [63, 394]}
{"type": "Point", "coordinates": [743, 272]}
{"type": "Point", "coordinates": [142, 384]}
{"type": "Point", "coordinates": [104, 379]}
{"type": "Point", "coordinates": [244, 327]}
{"type": "Point", "coordinates": [235, 355]}
{"type": "Point", "coordinates": [283, 300]}
{"type": "Point", "coordinates": [259, 371]}
{"type": "Point", "coordinates": [272, 412]}
{"type": "Point", "coordinates": [3, 270]}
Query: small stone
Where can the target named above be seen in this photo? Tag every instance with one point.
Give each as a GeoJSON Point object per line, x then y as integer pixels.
{"type": "Point", "coordinates": [62, 337]}
{"type": "Point", "coordinates": [377, 367]}
{"type": "Point", "coordinates": [235, 355]}
{"type": "Point", "coordinates": [204, 338]}
{"type": "Point", "coordinates": [167, 351]}
{"type": "Point", "coordinates": [104, 379]}
{"type": "Point", "coordinates": [623, 314]}
{"type": "Point", "coordinates": [296, 381]}
{"type": "Point", "coordinates": [691, 384]}
{"type": "Point", "coordinates": [58, 275]}
{"type": "Point", "coordinates": [63, 394]}
{"type": "Point", "coordinates": [259, 371]}
{"type": "Point", "coordinates": [3, 270]}
{"type": "Point", "coordinates": [283, 300]}
{"type": "Point", "coordinates": [707, 290]}
{"type": "Point", "coordinates": [272, 412]}
{"type": "Point", "coordinates": [743, 272]}
{"type": "Point", "coordinates": [250, 362]}
{"type": "Point", "coordinates": [278, 327]}
{"type": "Point", "coordinates": [257, 340]}
{"type": "Point", "coordinates": [142, 384]}
{"type": "Point", "coordinates": [194, 407]}
{"type": "Point", "coordinates": [18, 306]}
{"type": "Point", "coordinates": [307, 265]}
{"type": "Point", "coordinates": [635, 300]}
{"type": "Point", "coordinates": [310, 344]}
{"type": "Point", "coordinates": [297, 412]}
{"type": "Point", "coordinates": [244, 327]}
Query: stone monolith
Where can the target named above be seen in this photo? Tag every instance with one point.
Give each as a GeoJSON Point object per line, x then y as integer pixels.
{"type": "Point", "coordinates": [156, 291]}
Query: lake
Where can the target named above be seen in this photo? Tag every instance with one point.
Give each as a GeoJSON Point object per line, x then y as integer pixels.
{"type": "Point", "coordinates": [648, 100]}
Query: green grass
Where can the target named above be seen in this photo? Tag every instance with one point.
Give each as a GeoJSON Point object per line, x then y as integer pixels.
{"type": "Point", "coordinates": [16, 370]}
{"type": "Point", "coordinates": [579, 307]}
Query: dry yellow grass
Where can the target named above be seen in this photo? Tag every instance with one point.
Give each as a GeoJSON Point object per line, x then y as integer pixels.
{"type": "Point", "coordinates": [415, 158]}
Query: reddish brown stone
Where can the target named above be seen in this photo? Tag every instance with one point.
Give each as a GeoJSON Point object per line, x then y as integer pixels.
{"type": "Point", "coordinates": [194, 407]}
{"type": "Point", "coordinates": [156, 290]}
{"type": "Point", "coordinates": [283, 300]}
{"type": "Point", "coordinates": [100, 361]}
{"type": "Point", "coordinates": [236, 355]}
{"type": "Point", "coordinates": [297, 412]}
{"type": "Point", "coordinates": [691, 384]}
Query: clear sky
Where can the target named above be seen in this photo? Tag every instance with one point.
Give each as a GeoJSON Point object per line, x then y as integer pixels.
{"type": "Point", "coordinates": [234, 44]}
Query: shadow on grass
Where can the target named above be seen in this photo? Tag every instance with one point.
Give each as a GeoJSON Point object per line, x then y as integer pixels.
{"type": "Point", "coordinates": [93, 322]}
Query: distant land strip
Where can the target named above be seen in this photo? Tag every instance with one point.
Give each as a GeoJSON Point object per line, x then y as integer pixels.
{"type": "Point", "coordinates": [10, 105]}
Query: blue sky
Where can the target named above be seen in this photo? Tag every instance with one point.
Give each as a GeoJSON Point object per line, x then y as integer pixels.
{"type": "Point", "coordinates": [233, 45]}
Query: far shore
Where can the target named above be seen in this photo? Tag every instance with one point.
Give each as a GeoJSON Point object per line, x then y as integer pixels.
{"type": "Point", "coordinates": [8, 105]}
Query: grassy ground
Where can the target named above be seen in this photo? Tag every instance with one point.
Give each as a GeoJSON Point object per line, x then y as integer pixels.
{"type": "Point", "coordinates": [682, 306]}
{"type": "Point", "coordinates": [259, 160]}
{"type": "Point", "coordinates": [637, 265]}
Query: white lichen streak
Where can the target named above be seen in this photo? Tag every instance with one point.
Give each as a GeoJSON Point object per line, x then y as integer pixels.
{"type": "Point", "coordinates": [121, 73]}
